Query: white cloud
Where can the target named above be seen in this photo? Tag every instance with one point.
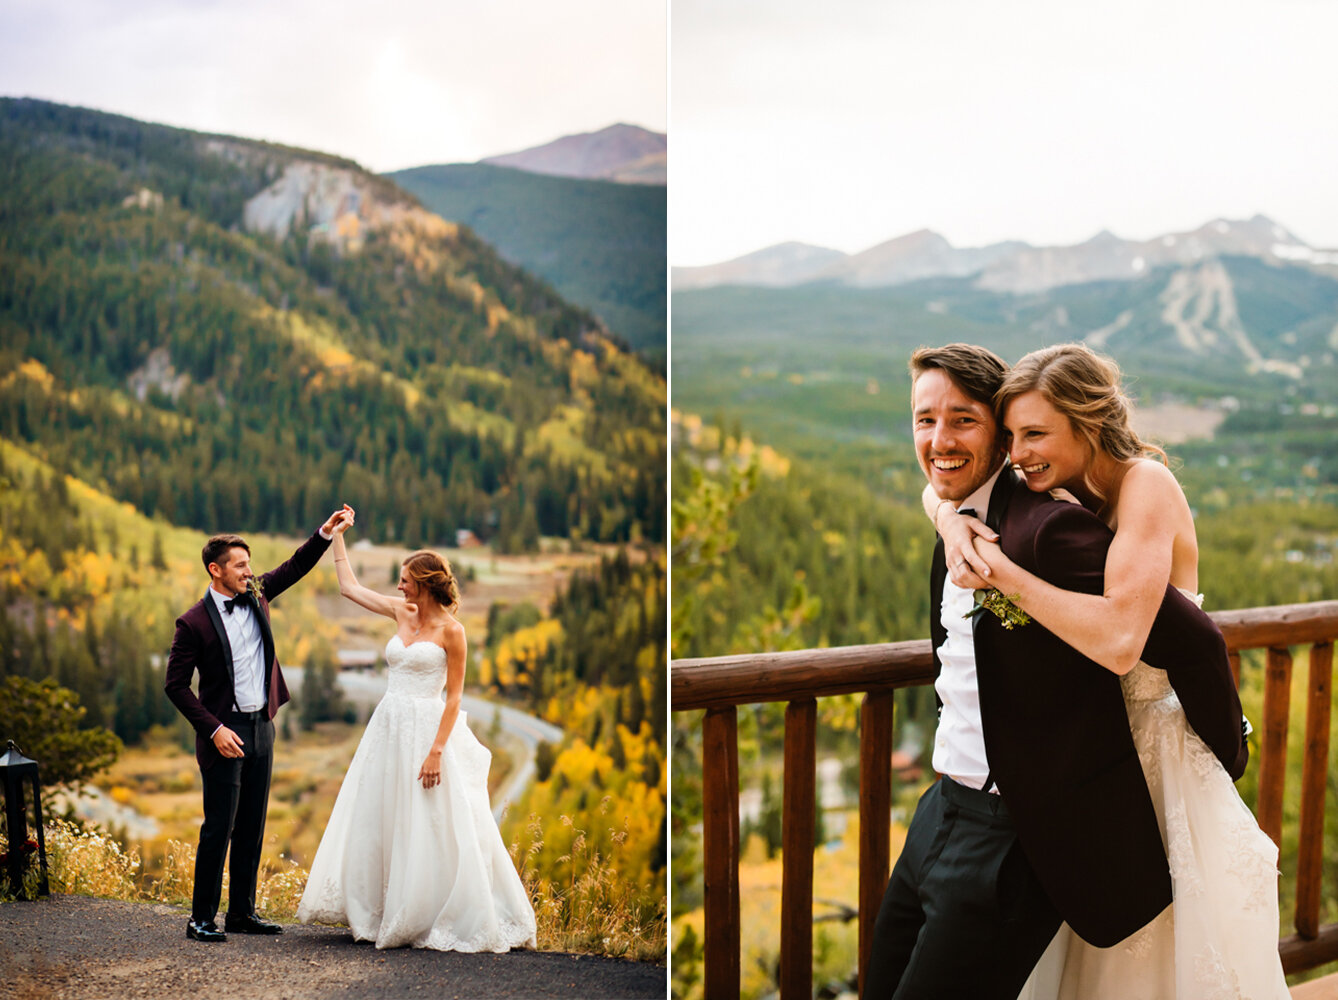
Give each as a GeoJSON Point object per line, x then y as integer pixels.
{"type": "Point", "coordinates": [396, 84]}
{"type": "Point", "coordinates": [1042, 120]}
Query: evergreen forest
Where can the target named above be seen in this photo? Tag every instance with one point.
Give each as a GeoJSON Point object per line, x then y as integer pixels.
{"type": "Point", "coordinates": [220, 377]}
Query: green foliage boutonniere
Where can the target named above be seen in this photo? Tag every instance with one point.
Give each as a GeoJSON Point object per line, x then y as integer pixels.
{"type": "Point", "coordinates": [1002, 607]}
{"type": "Point", "coordinates": [253, 589]}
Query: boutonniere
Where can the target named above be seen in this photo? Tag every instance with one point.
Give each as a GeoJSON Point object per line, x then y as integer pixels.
{"type": "Point", "coordinates": [253, 589]}
{"type": "Point", "coordinates": [1003, 608]}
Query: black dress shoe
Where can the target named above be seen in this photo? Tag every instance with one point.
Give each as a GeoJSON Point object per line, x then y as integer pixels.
{"type": "Point", "coordinates": [204, 931]}
{"type": "Point", "coordinates": [250, 925]}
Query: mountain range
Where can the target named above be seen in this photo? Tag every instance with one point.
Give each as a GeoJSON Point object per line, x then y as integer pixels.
{"type": "Point", "coordinates": [1013, 266]}
{"type": "Point", "coordinates": [625, 154]}
{"type": "Point", "coordinates": [235, 334]}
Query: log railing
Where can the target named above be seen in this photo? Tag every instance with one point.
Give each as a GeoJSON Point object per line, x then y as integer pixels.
{"type": "Point", "coordinates": [720, 684]}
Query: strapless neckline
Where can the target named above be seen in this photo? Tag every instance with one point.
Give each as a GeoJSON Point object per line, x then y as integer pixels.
{"type": "Point", "coordinates": [416, 642]}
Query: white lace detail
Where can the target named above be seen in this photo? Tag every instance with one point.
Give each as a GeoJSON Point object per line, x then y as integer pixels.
{"type": "Point", "coordinates": [1139, 944]}
{"type": "Point", "coordinates": [1185, 877]}
{"type": "Point", "coordinates": [1216, 981]}
{"type": "Point", "coordinates": [405, 865]}
{"type": "Point", "coordinates": [1144, 683]}
{"type": "Point", "coordinates": [1254, 863]}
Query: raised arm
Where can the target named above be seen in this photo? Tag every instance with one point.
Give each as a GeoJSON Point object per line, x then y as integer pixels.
{"type": "Point", "coordinates": [1112, 627]}
{"type": "Point", "coordinates": [348, 582]}
{"type": "Point", "coordinates": [454, 644]}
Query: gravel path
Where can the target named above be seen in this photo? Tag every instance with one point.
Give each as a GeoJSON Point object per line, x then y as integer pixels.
{"type": "Point", "coordinates": [78, 947]}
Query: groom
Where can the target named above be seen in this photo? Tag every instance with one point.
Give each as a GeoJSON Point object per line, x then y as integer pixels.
{"type": "Point", "coordinates": [226, 637]}
{"type": "Point", "coordinates": [1042, 813]}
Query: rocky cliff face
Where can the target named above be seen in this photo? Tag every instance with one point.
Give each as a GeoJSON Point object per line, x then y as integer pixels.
{"type": "Point", "coordinates": [336, 204]}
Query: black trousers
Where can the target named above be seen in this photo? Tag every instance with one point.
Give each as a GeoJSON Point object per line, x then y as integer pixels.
{"type": "Point", "coordinates": [236, 797]}
{"type": "Point", "coordinates": [964, 915]}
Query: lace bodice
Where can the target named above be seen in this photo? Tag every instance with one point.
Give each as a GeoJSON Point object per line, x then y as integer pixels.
{"type": "Point", "coordinates": [417, 670]}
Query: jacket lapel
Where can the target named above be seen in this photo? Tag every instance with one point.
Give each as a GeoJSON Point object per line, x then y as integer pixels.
{"type": "Point", "coordinates": [211, 606]}
{"type": "Point", "coordinates": [1000, 497]}
{"type": "Point", "coordinates": [267, 637]}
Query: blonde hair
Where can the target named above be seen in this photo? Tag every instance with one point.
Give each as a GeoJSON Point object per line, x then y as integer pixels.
{"type": "Point", "coordinates": [433, 573]}
{"type": "Point", "coordinates": [1085, 387]}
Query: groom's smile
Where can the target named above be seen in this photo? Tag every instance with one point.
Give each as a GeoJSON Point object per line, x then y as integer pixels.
{"type": "Point", "coordinates": [956, 436]}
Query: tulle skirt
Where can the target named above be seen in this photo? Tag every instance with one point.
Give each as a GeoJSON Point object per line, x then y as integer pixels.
{"type": "Point", "coordinates": [405, 865]}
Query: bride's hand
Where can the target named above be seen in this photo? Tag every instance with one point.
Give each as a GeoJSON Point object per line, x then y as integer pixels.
{"type": "Point", "coordinates": [430, 773]}
{"type": "Point", "coordinates": [966, 567]}
{"type": "Point", "coordinates": [998, 567]}
{"type": "Point", "coordinates": [342, 520]}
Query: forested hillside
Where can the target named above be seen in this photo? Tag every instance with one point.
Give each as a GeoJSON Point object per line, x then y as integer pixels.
{"type": "Point", "coordinates": [597, 668]}
{"type": "Point", "coordinates": [599, 243]}
{"type": "Point", "coordinates": [164, 339]}
{"type": "Point", "coordinates": [820, 370]}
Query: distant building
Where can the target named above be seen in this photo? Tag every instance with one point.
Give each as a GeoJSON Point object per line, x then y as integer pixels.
{"type": "Point", "coordinates": [358, 659]}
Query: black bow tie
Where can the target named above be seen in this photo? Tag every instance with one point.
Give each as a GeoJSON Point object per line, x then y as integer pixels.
{"type": "Point", "coordinates": [244, 599]}
{"type": "Point", "coordinates": [968, 512]}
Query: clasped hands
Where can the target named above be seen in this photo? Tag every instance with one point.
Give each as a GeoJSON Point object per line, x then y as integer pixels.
{"type": "Point", "coordinates": [971, 550]}
{"type": "Point", "coordinates": [340, 521]}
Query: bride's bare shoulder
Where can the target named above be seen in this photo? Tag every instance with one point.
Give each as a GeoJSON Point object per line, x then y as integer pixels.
{"type": "Point", "coordinates": [1147, 479]}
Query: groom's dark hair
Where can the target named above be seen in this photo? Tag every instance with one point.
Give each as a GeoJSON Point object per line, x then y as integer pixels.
{"type": "Point", "coordinates": [978, 372]}
{"type": "Point", "coordinates": [215, 548]}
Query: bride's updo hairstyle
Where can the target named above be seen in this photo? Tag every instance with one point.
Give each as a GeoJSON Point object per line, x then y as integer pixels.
{"type": "Point", "coordinates": [433, 573]}
{"type": "Point", "coordinates": [1085, 387]}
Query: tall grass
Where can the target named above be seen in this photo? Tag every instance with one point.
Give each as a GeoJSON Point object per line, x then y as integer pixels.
{"type": "Point", "coordinates": [595, 910]}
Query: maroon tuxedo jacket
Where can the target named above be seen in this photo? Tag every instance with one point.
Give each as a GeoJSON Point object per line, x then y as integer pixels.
{"type": "Point", "coordinates": [1056, 731]}
{"type": "Point", "coordinates": [201, 643]}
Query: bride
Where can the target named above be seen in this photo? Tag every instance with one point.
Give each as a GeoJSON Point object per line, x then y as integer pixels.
{"type": "Point", "coordinates": [1067, 425]}
{"type": "Point", "coordinates": [412, 855]}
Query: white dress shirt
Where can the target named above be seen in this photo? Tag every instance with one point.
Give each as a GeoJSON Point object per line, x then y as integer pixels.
{"type": "Point", "coordinates": [959, 742]}
{"type": "Point", "coordinates": [248, 652]}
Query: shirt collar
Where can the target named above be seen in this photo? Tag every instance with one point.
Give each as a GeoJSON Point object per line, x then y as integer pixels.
{"type": "Point", "coordinates": [218, 597]}
{"type": "Point", "coordinates": [979, 501]}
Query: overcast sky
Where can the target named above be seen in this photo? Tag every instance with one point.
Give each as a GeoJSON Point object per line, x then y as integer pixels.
{"type": "Point", "coordinates": [848, 123]}
{"type": "Point", "coordinates": [392, 84]}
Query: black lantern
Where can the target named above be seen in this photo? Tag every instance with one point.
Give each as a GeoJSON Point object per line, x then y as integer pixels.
{"type": "Point", "coordinates": [14, 769]}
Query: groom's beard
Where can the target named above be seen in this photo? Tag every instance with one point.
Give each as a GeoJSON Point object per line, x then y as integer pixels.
{"type": "Point", "coordinates": [957, 485]}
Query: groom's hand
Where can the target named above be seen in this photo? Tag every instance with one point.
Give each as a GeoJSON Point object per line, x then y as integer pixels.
{"type": "Point", "coordinates": [332, 521]}
{"type": "Point", "coordinates": [227, 742]}
{"type": "Point", "coordinates": [344, 519]}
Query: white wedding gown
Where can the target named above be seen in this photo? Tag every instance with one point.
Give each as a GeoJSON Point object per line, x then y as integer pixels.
{"type": "Point", "coordinates": [1219, 939]}
{"type": "Point", "coordinates": [406, 865]}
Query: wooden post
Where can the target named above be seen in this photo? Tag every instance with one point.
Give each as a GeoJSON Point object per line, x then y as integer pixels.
{"type": "Point", "coordinates": [796, 951]}
{"type": "Point", "coordinates": [720, 845]}
{"type": "Point", "coordinates": [1314, 769]}
{"type": "Point", "coordinates": [1273, 744]}
{"type": "Point", "coordinates": [1234, 659]}
{"type": "Point", "coordinates": [875, 814]}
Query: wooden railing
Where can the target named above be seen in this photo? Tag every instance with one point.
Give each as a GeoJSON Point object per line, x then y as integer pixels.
{"type": "Point", "coordinates": [720, 684]}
